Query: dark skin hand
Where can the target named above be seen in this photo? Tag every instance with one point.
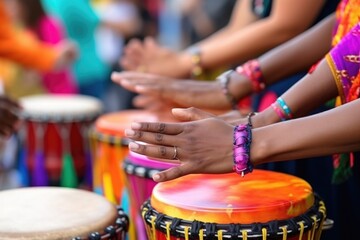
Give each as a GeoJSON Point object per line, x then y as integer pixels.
{"type": "Point", "coordinates": [9, 120]}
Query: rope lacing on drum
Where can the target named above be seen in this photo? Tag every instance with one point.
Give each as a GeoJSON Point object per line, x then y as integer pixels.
{"type": "Point", "coordinates": [122, 220]}
{"type": "Point", "coordinates": [234, 230]}
{"type": "Point", "coordinates": [174, 223]}
{"type": "Point", "coordinates": [195, 229]}
{"type": "Point", "coordinates": [308, 221]}
{"type": "Point", "coordinates": [210, 229]}
{"type": "Point", "coordinates": [273, 229]}
{"type": "Point", "coordinates": [158, 220]}
{"type": "Point", "coordinates": [111, 231]}
{"type": "Point", "coordinates": [94, 236]}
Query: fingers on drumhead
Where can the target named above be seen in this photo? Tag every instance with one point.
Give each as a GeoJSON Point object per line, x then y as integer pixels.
{"type": "Point", "coordinates": [170, 174]}
{"type": "Point", "coordinates": [158, 127]}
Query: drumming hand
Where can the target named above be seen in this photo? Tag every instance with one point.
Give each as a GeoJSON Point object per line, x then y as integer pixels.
{"type": "Point", "coordinates": [9, 121]}
{"type": "Point", "coordinates": [149, 57]}
{"type": "Point", "coordinates": [190, 114]}
{"type": "Point", "coordinates": [185, 93]}
{"type": "Point", "coordinates": [203, 146]}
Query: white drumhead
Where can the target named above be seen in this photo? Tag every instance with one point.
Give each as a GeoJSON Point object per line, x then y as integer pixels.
{"type": "Point", "coordinates": [60, 106]}
{"type": "Point", "coordinates": [53, 213]}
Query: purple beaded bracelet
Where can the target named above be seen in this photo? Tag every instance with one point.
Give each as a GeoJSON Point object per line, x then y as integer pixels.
{"type": "Point", "coordinates": [241, 148]}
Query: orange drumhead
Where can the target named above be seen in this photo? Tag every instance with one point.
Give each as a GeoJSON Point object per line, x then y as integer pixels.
{"type": "Point", "coordinates": [260, 196]}
{"type": "Point", "coordinates": [53, 213]}
{"type": "Point", "coordinates": [115, 123]}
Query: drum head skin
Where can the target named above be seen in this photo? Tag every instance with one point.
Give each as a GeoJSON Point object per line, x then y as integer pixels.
{"type": "Point", "coordinates": [115, 123]}
{"type": "Point", "coordinates": [53, 213]}
{"type": "Point", "coordinates": [62, 107]}
{"type": "Point", "coordinates": [260, 196]}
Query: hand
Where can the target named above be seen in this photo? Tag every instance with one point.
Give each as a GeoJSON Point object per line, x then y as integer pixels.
{"type": "Point", "coordinates": [186, 93]}
{"type": "Point", "coordinates": [68, 52]}
{"type": "Point", "coordinates": [9, 120]}
{"type": "Point", "coordinates": [151, 58]}
{"type": "Point", "coordinates": [203, 146]}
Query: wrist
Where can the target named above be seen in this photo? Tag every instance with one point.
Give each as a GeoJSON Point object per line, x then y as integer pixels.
{"type": "Point", "coordinates": [242, 139]}
{"type": "Point", "coordinates": [264, 118]}
{"type": "Point", "coordinates": [252, 71]}
{"type": "Point", "coordinates": [191, 59]}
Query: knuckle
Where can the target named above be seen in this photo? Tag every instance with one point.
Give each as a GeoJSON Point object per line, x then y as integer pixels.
{"type": "Point", "coordinates": [161, 127]}
{"type": "Point", "coordinates": [159, 137]}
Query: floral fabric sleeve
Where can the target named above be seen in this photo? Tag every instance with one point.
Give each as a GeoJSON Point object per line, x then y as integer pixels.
{"type": "Point", "coordinates": [344, 62]}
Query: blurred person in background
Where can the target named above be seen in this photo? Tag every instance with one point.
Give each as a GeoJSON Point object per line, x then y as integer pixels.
{"type": "Point", "coordinates": [31, 16]}
{"type": "Point", "coordinates": [81, 22]}
{"type": "Point", "coordinates": [120, 21]}
{"type": "Point", "coordinates": [17, 46]}
{"type": "Point", "coordinates": [201, 18]}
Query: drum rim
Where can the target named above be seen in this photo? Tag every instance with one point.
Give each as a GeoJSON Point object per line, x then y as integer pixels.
{"type": "Point", "coordinates": [137, 170]}
{"type": "Point", "coordinates": [121, 227]}
{"type": "Point", "coordinates": [318, 210]}
{"type": "Point", "coordinates": [33, 115]}
{"type": "Point", "coordinates": [110, 139]}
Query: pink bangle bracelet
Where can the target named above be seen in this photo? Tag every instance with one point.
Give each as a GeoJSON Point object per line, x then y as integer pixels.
{"type": "Point", "coordinates": [279, 112]}
{"type": "Point", "coordinates": [241, 148]}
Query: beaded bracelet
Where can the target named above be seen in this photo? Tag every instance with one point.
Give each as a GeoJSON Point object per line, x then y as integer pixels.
{"type": "Point", "coordinates": [251, 69]}
{"type": "Point", "coordinates": [279, 112]}
{"type": "Point", "coordinates": [196, 70]}
{"type": "Point", "coordinates": [224, 79]}
{"type": "Point", "coordinates": [241, 148]}
{"type": "Point", "coordinates": [284, 107]}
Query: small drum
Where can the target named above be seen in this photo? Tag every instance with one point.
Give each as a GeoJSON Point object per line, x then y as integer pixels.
{"type": "Point", "coordinates": [139, 171]}
{"type": "Point", "coordinates": [56, 151]}
{"type": "Point", "coordinates": [110, 147]}
{"type": "Point", "coordinates": [261, 205]}
{"type": "Point", "coordinates": [59, 213]}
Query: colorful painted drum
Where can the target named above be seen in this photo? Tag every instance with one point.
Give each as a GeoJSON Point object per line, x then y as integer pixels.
{"type": "Point", "coordinates": [110, 148]}
{"type": "Point", "coordinates": [261, 205]}
{"type": "Point", "coordinates": [59, 213]}
{"type": "Point", "coordinates": [56, 151]}
{"type": "Point", "coordinates": [139, 171]}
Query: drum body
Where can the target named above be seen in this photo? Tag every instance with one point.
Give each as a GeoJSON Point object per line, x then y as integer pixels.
{"type": "Point", "coordinates": [110, 148]}
{"type": "Point", "coordinates": [59, 213]}
{"type": "Point", "coordinates": [139, 170]}
{"type": "Point", "coordinates": [56, 151]}
{"type": "Point", "coordinates": [261, 205]}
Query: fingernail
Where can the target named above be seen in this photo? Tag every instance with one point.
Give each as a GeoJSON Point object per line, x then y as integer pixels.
{"type": "Point", "coordinates": [156, 177]}
{"type": "Point", "coordinates": [129, 132]}
{"type": "Point", "coordinates": [133, 146]}
{"type": "Point", "coordinates": [135, 125]}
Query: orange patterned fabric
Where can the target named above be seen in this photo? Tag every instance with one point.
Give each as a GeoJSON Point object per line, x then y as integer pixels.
{"type": "Point", "coordinates": [347, 16]}
{"type": "Point", "coordinates": [22, 48]}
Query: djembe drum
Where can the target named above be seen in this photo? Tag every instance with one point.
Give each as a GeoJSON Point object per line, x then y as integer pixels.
{"type": "Point", "coordinates": [56, 213]}
{"type": "Point", "coordinates": [110, 148]}
{"type": "Point", "coordinates": [261, 205]}
{"type": "Point", "coordinates": [139, 170]}
{"type": "Point", "coordinates": [56, 151]}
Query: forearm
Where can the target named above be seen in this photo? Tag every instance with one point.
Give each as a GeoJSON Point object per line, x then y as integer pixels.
{"type": "Point", "coordinates": [303, 97]}
{"type": "Point", "coordinates": [333, 131]}
{"type": "Point", "coordinates": [262, 35]}
{"type": "Point", "coordinates": [302, 51]}
{"type": "Point", "coordinates": [240, 18]}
